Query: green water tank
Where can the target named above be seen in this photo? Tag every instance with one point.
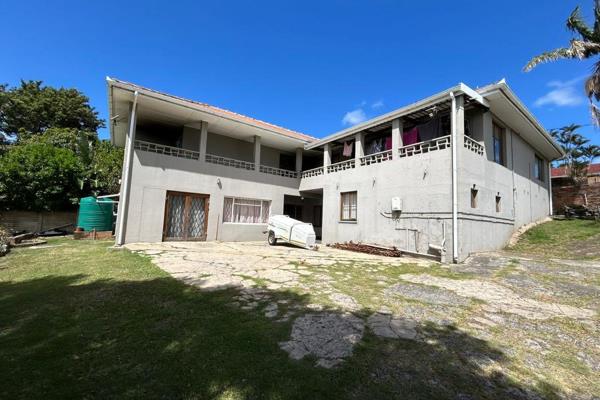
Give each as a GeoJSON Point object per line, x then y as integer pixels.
{"type": "Point", "coordinates": [95, 214]}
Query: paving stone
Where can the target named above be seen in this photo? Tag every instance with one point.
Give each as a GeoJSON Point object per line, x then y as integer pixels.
{"type": "Point", "coordinates": [330, 337]}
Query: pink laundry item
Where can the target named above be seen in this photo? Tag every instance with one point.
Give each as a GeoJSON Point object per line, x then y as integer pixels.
{"type": "Point", "coordinates": [388, 143]}
{"type": "Point", "coordinates": [347, 149]}
{"type": "Point", "coordinates": [410, 136]}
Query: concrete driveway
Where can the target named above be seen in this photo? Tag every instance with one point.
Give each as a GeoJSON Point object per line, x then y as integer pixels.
{"type": "Point", "coordinates": [541, 312]}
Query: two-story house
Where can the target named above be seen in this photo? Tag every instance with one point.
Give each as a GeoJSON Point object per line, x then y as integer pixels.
{"type": "Point", "coordinates": [451, 174]}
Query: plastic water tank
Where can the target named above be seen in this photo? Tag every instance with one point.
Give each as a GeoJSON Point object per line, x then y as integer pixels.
{"type": "Point", "coordinates": [95, 214]}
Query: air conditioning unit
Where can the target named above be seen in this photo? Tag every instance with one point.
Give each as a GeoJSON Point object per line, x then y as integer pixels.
{"type": "Point", "coordinates": [396, 204]}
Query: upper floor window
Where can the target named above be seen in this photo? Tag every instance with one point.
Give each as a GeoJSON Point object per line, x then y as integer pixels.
{"type": "Point", "coordinates": [498, 144]}
{"type": "Point", "coordinates": [249, 211]}
{"type": "Point", "coordinates": [538, 169]}
{"type": "Point", "coordinates": [348, 202]}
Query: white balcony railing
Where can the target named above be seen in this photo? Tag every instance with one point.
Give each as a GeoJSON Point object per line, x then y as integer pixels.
{"type": "Point", "coordinates": [229, 162]}
{"type": "Point", "coordinates": [474, 146]}
{"type": "Point", "coordinates": [376, 157]}
{"type": "Point", "coordinates": [425, 147]}
{"type": "Point", "coordinates": [166, 150]}
{"type": "Point", "coordinates": [313, 172]}
{"type": "Point", "coordinates": [341, 166]}
{"type": "Point", "coordinates": [278, 171]}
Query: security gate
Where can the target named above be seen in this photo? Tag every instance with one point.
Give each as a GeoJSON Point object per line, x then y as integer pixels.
{"type": "Point", "coordinates": [186, 216]}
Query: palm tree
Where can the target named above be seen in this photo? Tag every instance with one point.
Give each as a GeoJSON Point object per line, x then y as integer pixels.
{"type": "Point", "coordinates": [587, 45]}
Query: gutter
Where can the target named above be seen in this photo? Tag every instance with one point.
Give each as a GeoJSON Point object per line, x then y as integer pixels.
{"type": "Point", "coordinates": [126, 182]}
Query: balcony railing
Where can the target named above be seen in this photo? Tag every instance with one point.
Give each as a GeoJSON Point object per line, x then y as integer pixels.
{"type": "Point", "coordinates": [278, 171]}
{"type": "Point", "coordinates": [341, 166]}
{"type": "Point", "coordinates": [313, 172]}
{"type": "Point", "coordinates": [474, 146]}
{"type": "Point", "coordinates": [376, 157]}
{"type": "Point", "coordinates": [166, 150]}
{"type": "Point", "coordinates": [425, 147]}
{"type": "Point", "coordinates": [229, 162]}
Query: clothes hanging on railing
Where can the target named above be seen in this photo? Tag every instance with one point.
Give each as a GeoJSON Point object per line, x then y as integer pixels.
{"type": "Point", "coordinates": [348, 149]}
{"type": "Point", "coordinates": [388, 143]}
{"type": "Point", "coordinates": [376, 146]}
{"type": "Point", "coordinates": [410, 136]}
{"type": "Point", "coordinates": [429, 130]}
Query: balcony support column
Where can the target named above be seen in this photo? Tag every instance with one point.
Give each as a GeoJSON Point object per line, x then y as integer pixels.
{"type": "Point", "coordinates": [359, 148]}
{"type": "Point", "coordinates": [397, 128]}
{"type": "Point", "coordinates": [203, 140]}
{"type": "Point", "coordinates": [299, 161]}
{"type": "Point", "coordinates": [257, 153]}
{"type": "Point", "coordinates": [326, 157]}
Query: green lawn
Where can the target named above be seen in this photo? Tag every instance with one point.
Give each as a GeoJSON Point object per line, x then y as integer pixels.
{"type": "Point", "coordinates": [81, 320]}
{"type": "Point", "coordinates": [578, 239]}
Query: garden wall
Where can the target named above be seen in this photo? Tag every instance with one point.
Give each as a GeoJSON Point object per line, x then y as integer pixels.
{"type": "Point", "coordinates": [32, 221]}
{"type": "Point", "coordinates": [565, 193]}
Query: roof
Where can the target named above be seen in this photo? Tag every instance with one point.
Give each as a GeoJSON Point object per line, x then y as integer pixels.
{"type": "Point", "coordinates": [564, 171]}
{"type": "Point", "coordinates": [213, 110]}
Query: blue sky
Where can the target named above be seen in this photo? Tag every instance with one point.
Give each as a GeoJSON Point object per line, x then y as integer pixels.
{"type": "Point", "coordinates": [310, 66]}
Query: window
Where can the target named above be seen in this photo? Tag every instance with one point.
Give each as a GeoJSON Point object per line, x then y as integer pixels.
{"type": "Point", "coordinates": [248, 211]}
{"type": "Point", "coordinates": [538, 169]}
{"type": "Point", "coordinates": [498, 203]}
{"type": "Point", "coordinates": [474, 198]}
{"type": "Point", "coordinates": [498, 144]}
{"type": "Point", "coordinates": [293, 211]}
{"type": "Point", "coordinates": [348, 206]}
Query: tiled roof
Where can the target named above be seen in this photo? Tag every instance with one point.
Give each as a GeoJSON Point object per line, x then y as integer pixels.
{"type": "Point", "coordinates": [226, 113]}
{"type": "Point", "coordinates": [562, 172]}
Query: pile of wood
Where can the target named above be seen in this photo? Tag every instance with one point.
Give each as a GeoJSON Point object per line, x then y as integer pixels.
{"type": "Point", "coordinates": [368, 248]}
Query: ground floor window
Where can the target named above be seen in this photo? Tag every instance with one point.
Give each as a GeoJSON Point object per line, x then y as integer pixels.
{"type": "Point", "coordinates": [348, 202]}
{"type": "Point", "coordinates": [248, 211]}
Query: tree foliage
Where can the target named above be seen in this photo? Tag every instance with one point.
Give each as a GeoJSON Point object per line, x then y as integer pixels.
{"type": "Point", "coordinates": [32, 108]}
{"type": "Point", "coordinates": [578, 153]}
{"type": "Point", "coordinates": [49, 149]}
{"type": "Point", "coordinates": [585, 45]}
{"type": "Point", "coordinates": [37, 177]}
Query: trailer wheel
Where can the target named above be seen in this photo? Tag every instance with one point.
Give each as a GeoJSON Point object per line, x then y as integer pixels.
{"type": "Point", "coordinates": [272, 239]}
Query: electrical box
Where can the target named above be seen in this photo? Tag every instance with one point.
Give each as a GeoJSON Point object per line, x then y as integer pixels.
{"type": "Point", "coordinates": [396, 204]}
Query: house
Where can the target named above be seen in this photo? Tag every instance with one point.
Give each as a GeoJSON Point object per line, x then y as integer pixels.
{"type": "Point", "coordinates": [567, 192]}
{"type": "Point", "coordinates": [451, 174]}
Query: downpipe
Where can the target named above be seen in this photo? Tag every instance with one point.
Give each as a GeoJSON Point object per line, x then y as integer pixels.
{"type": "Point", "coordinates": [454, 180]}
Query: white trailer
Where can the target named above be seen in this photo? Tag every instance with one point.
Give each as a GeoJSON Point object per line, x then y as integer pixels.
{"type": "Point", "coordinates": [289, 230]}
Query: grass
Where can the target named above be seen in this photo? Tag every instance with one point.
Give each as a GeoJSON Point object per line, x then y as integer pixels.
{"type": "Point", "coordinates": [578, 238]}
{"type": "Point", "coordinates": [81, 320]}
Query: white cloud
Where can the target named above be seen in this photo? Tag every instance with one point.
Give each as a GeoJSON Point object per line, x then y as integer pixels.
{"type": "Point", "coordinates": [563, 94]}
{"type": "Point", "coordinates": [377, 104]}
{"type": "Point", "coordinates": [354, 117]}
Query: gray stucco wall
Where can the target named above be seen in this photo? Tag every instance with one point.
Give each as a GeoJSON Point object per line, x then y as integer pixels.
{"type": "Point", "coordinates": [154, 174]}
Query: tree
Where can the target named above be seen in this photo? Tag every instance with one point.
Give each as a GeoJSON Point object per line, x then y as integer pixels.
{"type": "Point", "coordinates": [32, 108]}
{"type": "Point", "coordinates": [37, 177]}
{"type": "Point", "coordinates": [105, 174]}
{"type": "Point", "coordinates": [585, 46]}
{"type": "Point", "coordinates": [578, 154]}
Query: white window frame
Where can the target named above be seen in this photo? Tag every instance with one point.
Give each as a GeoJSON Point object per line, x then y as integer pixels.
{"type": "Point", "coordinates": [240, 200]}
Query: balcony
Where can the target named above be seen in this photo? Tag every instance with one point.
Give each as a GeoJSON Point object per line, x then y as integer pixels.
{"type": "Point", "coordinates": [341, 166]}
{"type": "Point", "coordinates": [474, 146]}
{"type": "Point", "coordinates": [376, 158]}
{"type": "Point", "coordinates": [211, 159]}
{"type": "Point", "coordinates": [440, 143]}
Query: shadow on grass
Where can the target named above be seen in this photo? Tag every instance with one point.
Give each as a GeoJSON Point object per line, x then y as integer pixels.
{"type": "Point", "coordinates": [159, 338]}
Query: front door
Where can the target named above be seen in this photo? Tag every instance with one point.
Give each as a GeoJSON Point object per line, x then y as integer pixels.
{"type": "Point", "coordinates": [186, 216]}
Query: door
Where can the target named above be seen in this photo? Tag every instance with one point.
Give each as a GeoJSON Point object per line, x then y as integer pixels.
{"type": "Point", "coordinates": [186, 216]}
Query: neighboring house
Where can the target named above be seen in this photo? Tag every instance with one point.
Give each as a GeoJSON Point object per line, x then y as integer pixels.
{"type": "Point", "coordinates": [451, 174]}
{"type": "Point", "coordinates": [567, 192]}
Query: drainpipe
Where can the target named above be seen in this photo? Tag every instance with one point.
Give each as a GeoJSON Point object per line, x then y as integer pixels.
{"type": "Point", "coordinates": [126, 181]}
{"type": "Point", "coordinates": [454, 181]}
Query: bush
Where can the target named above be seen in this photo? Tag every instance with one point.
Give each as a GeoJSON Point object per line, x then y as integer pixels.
{"type": "Point", "coordinates": [39, 177]}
